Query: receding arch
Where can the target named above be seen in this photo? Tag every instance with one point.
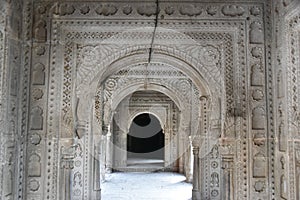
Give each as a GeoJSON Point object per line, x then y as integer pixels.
{"type": "Point", "coordinates": [139, 86]}
{"type": "Point", "coordinates": [204, 84]}
{"type": "Point", "coordinates": [145, 138]}
{"type": "Point", "coordinates": [161, 121]}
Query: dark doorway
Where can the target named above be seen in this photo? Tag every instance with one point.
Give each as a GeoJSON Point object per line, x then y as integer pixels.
{"type": "Point", "coordinates": [145, 138]}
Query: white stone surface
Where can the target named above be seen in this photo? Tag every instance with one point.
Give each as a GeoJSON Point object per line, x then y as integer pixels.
{"type": "Point", "coordinates": [142, 186]}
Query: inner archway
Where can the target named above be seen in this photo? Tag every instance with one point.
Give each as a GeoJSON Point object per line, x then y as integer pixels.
{"type": "Point", "coordinates": [145, 139]}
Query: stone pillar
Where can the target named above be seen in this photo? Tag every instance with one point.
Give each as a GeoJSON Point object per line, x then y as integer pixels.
{"type": "Point", "coordinates": [102, 156]}
{"type": "Point", "coordinates": [181, 152]}
{"type": "Point", "coordinates": [120, 149]}
{"type": "Point", "coordinates": [196, 192]}
{"type": "Point", "coordinates": [96, 172]}
{"type": "Point", "coordinates": [109, 152]}
{"type": "Point", "coordinates": [227, 188]}
{"type": "Point", "coordinates": [187, 155]}
{"type": "Point", "coordinates": [67, 164]}
{"type": "Point", "coordinates": [189, 173]}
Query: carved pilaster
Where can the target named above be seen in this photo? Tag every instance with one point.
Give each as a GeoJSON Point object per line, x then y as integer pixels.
{"type": "Point", "coordinates": [228, 178]}
{"type": "Point", "coordinates": [66, 166]}
{"type": "Point", "coordinates": [196, 190]}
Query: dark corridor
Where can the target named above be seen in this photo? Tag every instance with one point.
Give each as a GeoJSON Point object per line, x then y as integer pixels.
{"type": "Point", "coordinates": [145, 138]}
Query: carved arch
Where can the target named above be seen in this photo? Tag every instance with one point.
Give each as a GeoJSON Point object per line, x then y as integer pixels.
{"type": "Point", "coordinates": [162, 54]}
{"type": "Point", "coordinates": [157, 115]}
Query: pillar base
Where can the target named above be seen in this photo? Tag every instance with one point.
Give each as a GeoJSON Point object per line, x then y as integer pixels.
{"type": "Point", "coordinates": [196, 195]}
{"type": "Point", "coordinates": [96, 195]}
{"type": "Point", "coordinates": [189, 178]}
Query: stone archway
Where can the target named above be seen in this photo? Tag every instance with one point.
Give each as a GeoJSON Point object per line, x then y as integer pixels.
{"type": "Point", "coordinates": [166, 112]}
{"type": "Point", "coordinates": [145, 143]}
{"type": "Point", "coordinates": [72, 49]}
{"type": "Point", "coordinates": [184, 90]}
{"type": "Point", "coordinates": [145, 138]}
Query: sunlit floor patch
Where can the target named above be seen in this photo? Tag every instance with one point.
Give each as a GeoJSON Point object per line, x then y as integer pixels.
{"type": "Point", "coordinates": [142, 186]}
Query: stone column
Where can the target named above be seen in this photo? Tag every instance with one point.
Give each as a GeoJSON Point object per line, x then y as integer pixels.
{"type": "Point", "coordinates": [96, 171]}
{"type": "Point", "coordinates": [187, 154]}
{"type": "Point", "coordinates": [181, 152]}
{"type": "Point", "coordinates": [102, 157]}
{"type": "Point", "coordinates": [109, 150]}
{"type": "Point", "coordinates": [188, 171]}
{"type": "Point", "coordinates": [120, 149]}
{"type": "Point", "coordinates": [67, 164]}
{"type": "Point", "coordinates": [196, 192]}
{"type": "Point", "coordinates": [227, 188]}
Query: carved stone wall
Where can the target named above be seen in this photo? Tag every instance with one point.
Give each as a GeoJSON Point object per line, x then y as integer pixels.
{"type": "Point", "coordinates": [67, 34]}
{"type": "Point", "coordinates": [65, 66]}
{"type": "Point", "coordinates": [286, 77]}
{"type": "Point", "coordinates": [10, 69]}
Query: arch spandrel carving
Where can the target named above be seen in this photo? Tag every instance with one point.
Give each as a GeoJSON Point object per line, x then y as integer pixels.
{"type": "Point", "coordinates": [204, 57]}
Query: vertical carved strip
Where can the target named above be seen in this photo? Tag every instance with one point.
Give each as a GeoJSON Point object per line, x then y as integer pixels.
{"type": "Point", "coordinates": [270, 99]}
{"type": "Point", "coordinates": [228, 178]}
{"type": "Point", "coordinates": [25, 74]}
{"type": "Point", "coordinates": [53, 134]}
{"type": "Point", "coordinates": [204, 185]}
{"type": "Point", "coordinates": [292, 61]}
{"type": "Point", "coordinates": [2, 111]}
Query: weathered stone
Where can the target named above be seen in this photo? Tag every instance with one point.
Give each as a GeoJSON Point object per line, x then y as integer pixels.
{"type": "Point", "coordinates": [221, 79]}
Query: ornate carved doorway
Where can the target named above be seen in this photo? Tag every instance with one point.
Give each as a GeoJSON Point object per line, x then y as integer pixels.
{"type": "Point", "coordinates": [208, 65]}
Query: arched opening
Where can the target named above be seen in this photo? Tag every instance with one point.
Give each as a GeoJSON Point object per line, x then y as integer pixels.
{"type": "Point", "coordinates": [145, 139]}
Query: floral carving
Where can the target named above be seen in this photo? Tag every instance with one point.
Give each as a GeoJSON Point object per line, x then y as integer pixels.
{"type": "Point", "coordinates": [127, 10]}
{"type": "Point", "coordinates": [35, 139]}
{"type": "Point", "coordinates": [37, 94]}
{"type": "Point", "coordinates": [40, 50]}
{"type": "Point", "coordinates": [90, 58]}
{"type": "Point", "coordinates": [209, 55]}
{"type": "Point", "coordinates": [256, 52]}
{"type": "Point", "coordinates": [259, 186]}
{"type": "Point", "coordinates": [110, 84]}
{"type": "Point", "coordinates": [169, 10]}
{"type": "Point", "coordinates": [85, 9]}
{"type": "Point", "coordinates": [255, 11]}
{"type": "Point", "coordinates": [34, 185]}
{"type": "Point", "coordinates": [66, 9]}
{"type": "Point", "coordinates": [257, 95]}
{"type": "Point", "coordinates": [212, 10]}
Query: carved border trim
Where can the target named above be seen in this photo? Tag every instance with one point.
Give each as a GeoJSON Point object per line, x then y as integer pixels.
{"type": "Point", "coordinates": [293, 69]}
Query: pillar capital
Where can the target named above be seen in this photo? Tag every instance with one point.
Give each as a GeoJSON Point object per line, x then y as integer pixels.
{"type": "Point", "coordinates": [195, 141]}
{"type": "Point", "coordinates": [196, 150]}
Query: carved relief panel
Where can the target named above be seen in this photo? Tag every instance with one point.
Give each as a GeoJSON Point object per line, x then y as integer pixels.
{"type": "Point", "coordinates": [89, 53]}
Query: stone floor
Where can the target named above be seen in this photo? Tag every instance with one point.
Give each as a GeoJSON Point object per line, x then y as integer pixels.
{"type": "Point", "coordinates": [146, 186]}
